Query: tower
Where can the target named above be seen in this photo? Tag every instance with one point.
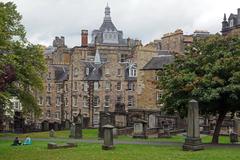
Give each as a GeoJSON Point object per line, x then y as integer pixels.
{"type": "Point", "coordinates": [224, 23]}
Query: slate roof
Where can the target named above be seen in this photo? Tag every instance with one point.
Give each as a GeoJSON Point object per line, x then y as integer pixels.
{"type": "Point", "coordinates": [95, 71]}
{"type": "Point", "coordinates": [61, 73]}
{"type": "Point", "coordinates": [157, 63]}
{"type": "Point", "coordinates": [107, 25]}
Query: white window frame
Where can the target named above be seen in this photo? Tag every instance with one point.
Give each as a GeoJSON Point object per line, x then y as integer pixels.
{"type": "Point", "coordinates": [85, 86]}
{"type": "Point", "coordinates": [107, 101]}
{"type": "Point", "coordinates": [107, 85]}
{"type": "Point", "coordinates": [96, 86]}
{"type": "Point", "coordinates": [87, 71]}
{"type": "Point", "coordinates": [132, 71]}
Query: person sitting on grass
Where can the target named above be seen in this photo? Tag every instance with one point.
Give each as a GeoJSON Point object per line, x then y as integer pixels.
{"type": "Point", "coordinates": [27, 141]}
{"type": "Point", "coordinates": [16, 142]}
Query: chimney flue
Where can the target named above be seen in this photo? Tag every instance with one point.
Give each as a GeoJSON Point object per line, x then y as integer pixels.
{"type": "Point", "coordinates": [84, 38]}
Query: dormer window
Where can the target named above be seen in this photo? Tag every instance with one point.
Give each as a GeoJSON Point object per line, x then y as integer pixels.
{"type": "Point", "coordinates": [132, 71]}
{"type": "Point", "coordinates": [87, 71]}
{"type": "Point", "coordinates": [231, 23]}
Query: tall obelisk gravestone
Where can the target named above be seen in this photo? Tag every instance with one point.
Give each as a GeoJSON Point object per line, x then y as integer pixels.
{"type": "Point", "coordinates": [193, 140]}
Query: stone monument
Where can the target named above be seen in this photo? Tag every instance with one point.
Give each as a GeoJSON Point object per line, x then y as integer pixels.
{"type": "Point", "coordinates": [52, 133]}
{"type": "Point", "coordinates": [108, 137]}
{"type": "Point", "coordinates": [140, 129]}
{"type": "Point", "coordinates": [193, 140]}
{"type": "Point", "coordinates": [76, 128]}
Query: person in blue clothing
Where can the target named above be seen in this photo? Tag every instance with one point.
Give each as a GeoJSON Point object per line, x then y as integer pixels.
{"type": "Point", "coordinates": [27, 141]}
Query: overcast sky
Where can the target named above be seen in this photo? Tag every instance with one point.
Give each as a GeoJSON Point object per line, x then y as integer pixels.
{"type": "Point", "coordinates": [141, 19]}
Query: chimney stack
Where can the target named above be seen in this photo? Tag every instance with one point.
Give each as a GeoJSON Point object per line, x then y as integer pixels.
{"type": "Point", "coordinates": [84, 38]}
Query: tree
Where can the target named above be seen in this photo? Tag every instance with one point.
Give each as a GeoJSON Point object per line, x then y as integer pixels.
{"type": "Point", "coordinates": [209, 72]}
{"type": "Point", "coordinates": [21, 63]}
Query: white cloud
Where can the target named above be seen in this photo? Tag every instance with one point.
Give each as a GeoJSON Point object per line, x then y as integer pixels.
{"type": "Point", "coordinates": [142, 19]}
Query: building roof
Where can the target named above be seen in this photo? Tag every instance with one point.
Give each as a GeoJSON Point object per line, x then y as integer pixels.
{"type": "Point", "coordinates": [61, 73]}
{"type": "Point", "coordinates": [108, 25]}
{"type": "Point", "coordinates": [95, 71]}
{"type": "Point", "coordinates": [157, 63]}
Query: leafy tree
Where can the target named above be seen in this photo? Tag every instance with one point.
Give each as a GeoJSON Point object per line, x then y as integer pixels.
{"type": "Point", "coordinates": [21, 63]}
{"type": "Point", "coordinates": [209, 72]}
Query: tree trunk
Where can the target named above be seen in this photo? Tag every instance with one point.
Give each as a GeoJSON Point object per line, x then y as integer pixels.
{"type": "Point", "coordinates": [218, 127]}
{"type": "Point", "coordinates": [1, 117]}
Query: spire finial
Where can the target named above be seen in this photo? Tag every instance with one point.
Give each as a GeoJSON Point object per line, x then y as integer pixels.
{"type": "Point", "coordinates": [224, 17]}
{"type": "Point", "coordinates": [107, 13]}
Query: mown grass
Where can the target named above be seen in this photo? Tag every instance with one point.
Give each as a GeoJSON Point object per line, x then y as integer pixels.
{"type": "Point", "coordinates": [93, 134]}
{"type": "Point", "coordinates": [88, 134]}
{"type": "Point", "coordinates": [85, 151]}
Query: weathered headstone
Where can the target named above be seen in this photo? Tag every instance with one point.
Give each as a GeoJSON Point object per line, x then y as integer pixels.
{"type": "Point", "coordinates": [45, 126]}
{"type": "Point", "coordinates": [67, 124]}
{"type": "Point", "coordinates": [115, 134]}
{"type": "Point", "coordinates": [56, 126]}
{"type": "Point", "coordinates": [236, 126]}
{"type": "Point", "coordinates": [52, 133]}
{"type": "Point", "coordinates": [152, 121]}
{"type": "Point", "coordinates": [105, 118]}
{"type": "Point", "coordinates": [193, 140]}
{"type": "Point", "coordinates": [72, 131]}
{"type": "Point", "coordinates": [76, 128]}
{"type": "Point", "coordinates": [233, 137]}
{"type": "Point", "coordinates": [140, 129]}
{"type": "Point", "coordinates": [108, 137]}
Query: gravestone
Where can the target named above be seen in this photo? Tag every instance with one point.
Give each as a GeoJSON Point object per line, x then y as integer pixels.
{"type": "Point", "coordinates": [105, 118]}
{"type": "Point", "coordinates": [193, 140]}
{"type": "Point", "coordinates": [52, 133]}
{"type": "Point", "coordinates": [233, 138]}
{"type": "Point", "coordinates": [236, 126]}
{"type": "Point", "coordinates": [72, 131]}
{"type": "Point", "coordinates": [67, 124]}
{"type": "Point", "coordinates": [108, 137]}
{"type": "Point", "coordinates": [152, 121]}
{"type": "Point", "coordinates": [115, 134]}
{"type": "Point", "coordinates": [140, 129]}
{"type": "Point", "coordinates": [45, 126]}
{"type": "Point", "coordinates": [55, 126]}
{"type": "Point", "coordinates": [76, 128]}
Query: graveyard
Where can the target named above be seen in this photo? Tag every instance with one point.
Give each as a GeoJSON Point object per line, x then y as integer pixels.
{"type": "Point", "coordinates": [116, 97]}
{"type": "Point", "coordinates": [93, 149]}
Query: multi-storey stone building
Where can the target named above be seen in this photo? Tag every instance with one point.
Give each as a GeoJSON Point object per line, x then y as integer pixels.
{"type": "Point", "coordinates": [92, 77]}
{"type": "Point", "coordinates": [109, 70]}
{"type": "Point", "coordinates": [231, 26]}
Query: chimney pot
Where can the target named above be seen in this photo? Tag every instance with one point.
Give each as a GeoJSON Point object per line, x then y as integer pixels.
{"type": "Point", "coordinates": [84, 38]}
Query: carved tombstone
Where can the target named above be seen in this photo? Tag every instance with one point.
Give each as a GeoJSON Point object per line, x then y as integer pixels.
{"type": "Point", "coordinates": [140, 129]}
{"type": "Point", "coordinates": [76, 127]}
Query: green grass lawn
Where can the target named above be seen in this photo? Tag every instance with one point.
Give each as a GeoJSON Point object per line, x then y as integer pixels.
{"type": "Point", "coordinates": [87, 133]}
{"type": "Point", "coordinates": [85, 151]}
{"type": "Point", "coordinates": [92, 134]}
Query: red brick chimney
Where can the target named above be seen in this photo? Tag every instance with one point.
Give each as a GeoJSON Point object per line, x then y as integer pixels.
{"type": "Point", "coordinates": [84, 38]}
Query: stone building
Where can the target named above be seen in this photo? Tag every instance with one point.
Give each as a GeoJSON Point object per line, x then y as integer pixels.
{"type": "Point", "coordinates": [108, 71]}
{"type": "Point", "coordinates": [148, 92]}
{"type": "Point", "coordinates": [177, 41]}
{"type": "Point", "coordinates": [231, 26]}
{"type": "Point", "coordinates": [92, 77]}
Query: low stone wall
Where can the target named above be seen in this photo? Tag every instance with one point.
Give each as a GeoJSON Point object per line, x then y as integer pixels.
{"type": "Point", "coordinates": [125, 131]}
